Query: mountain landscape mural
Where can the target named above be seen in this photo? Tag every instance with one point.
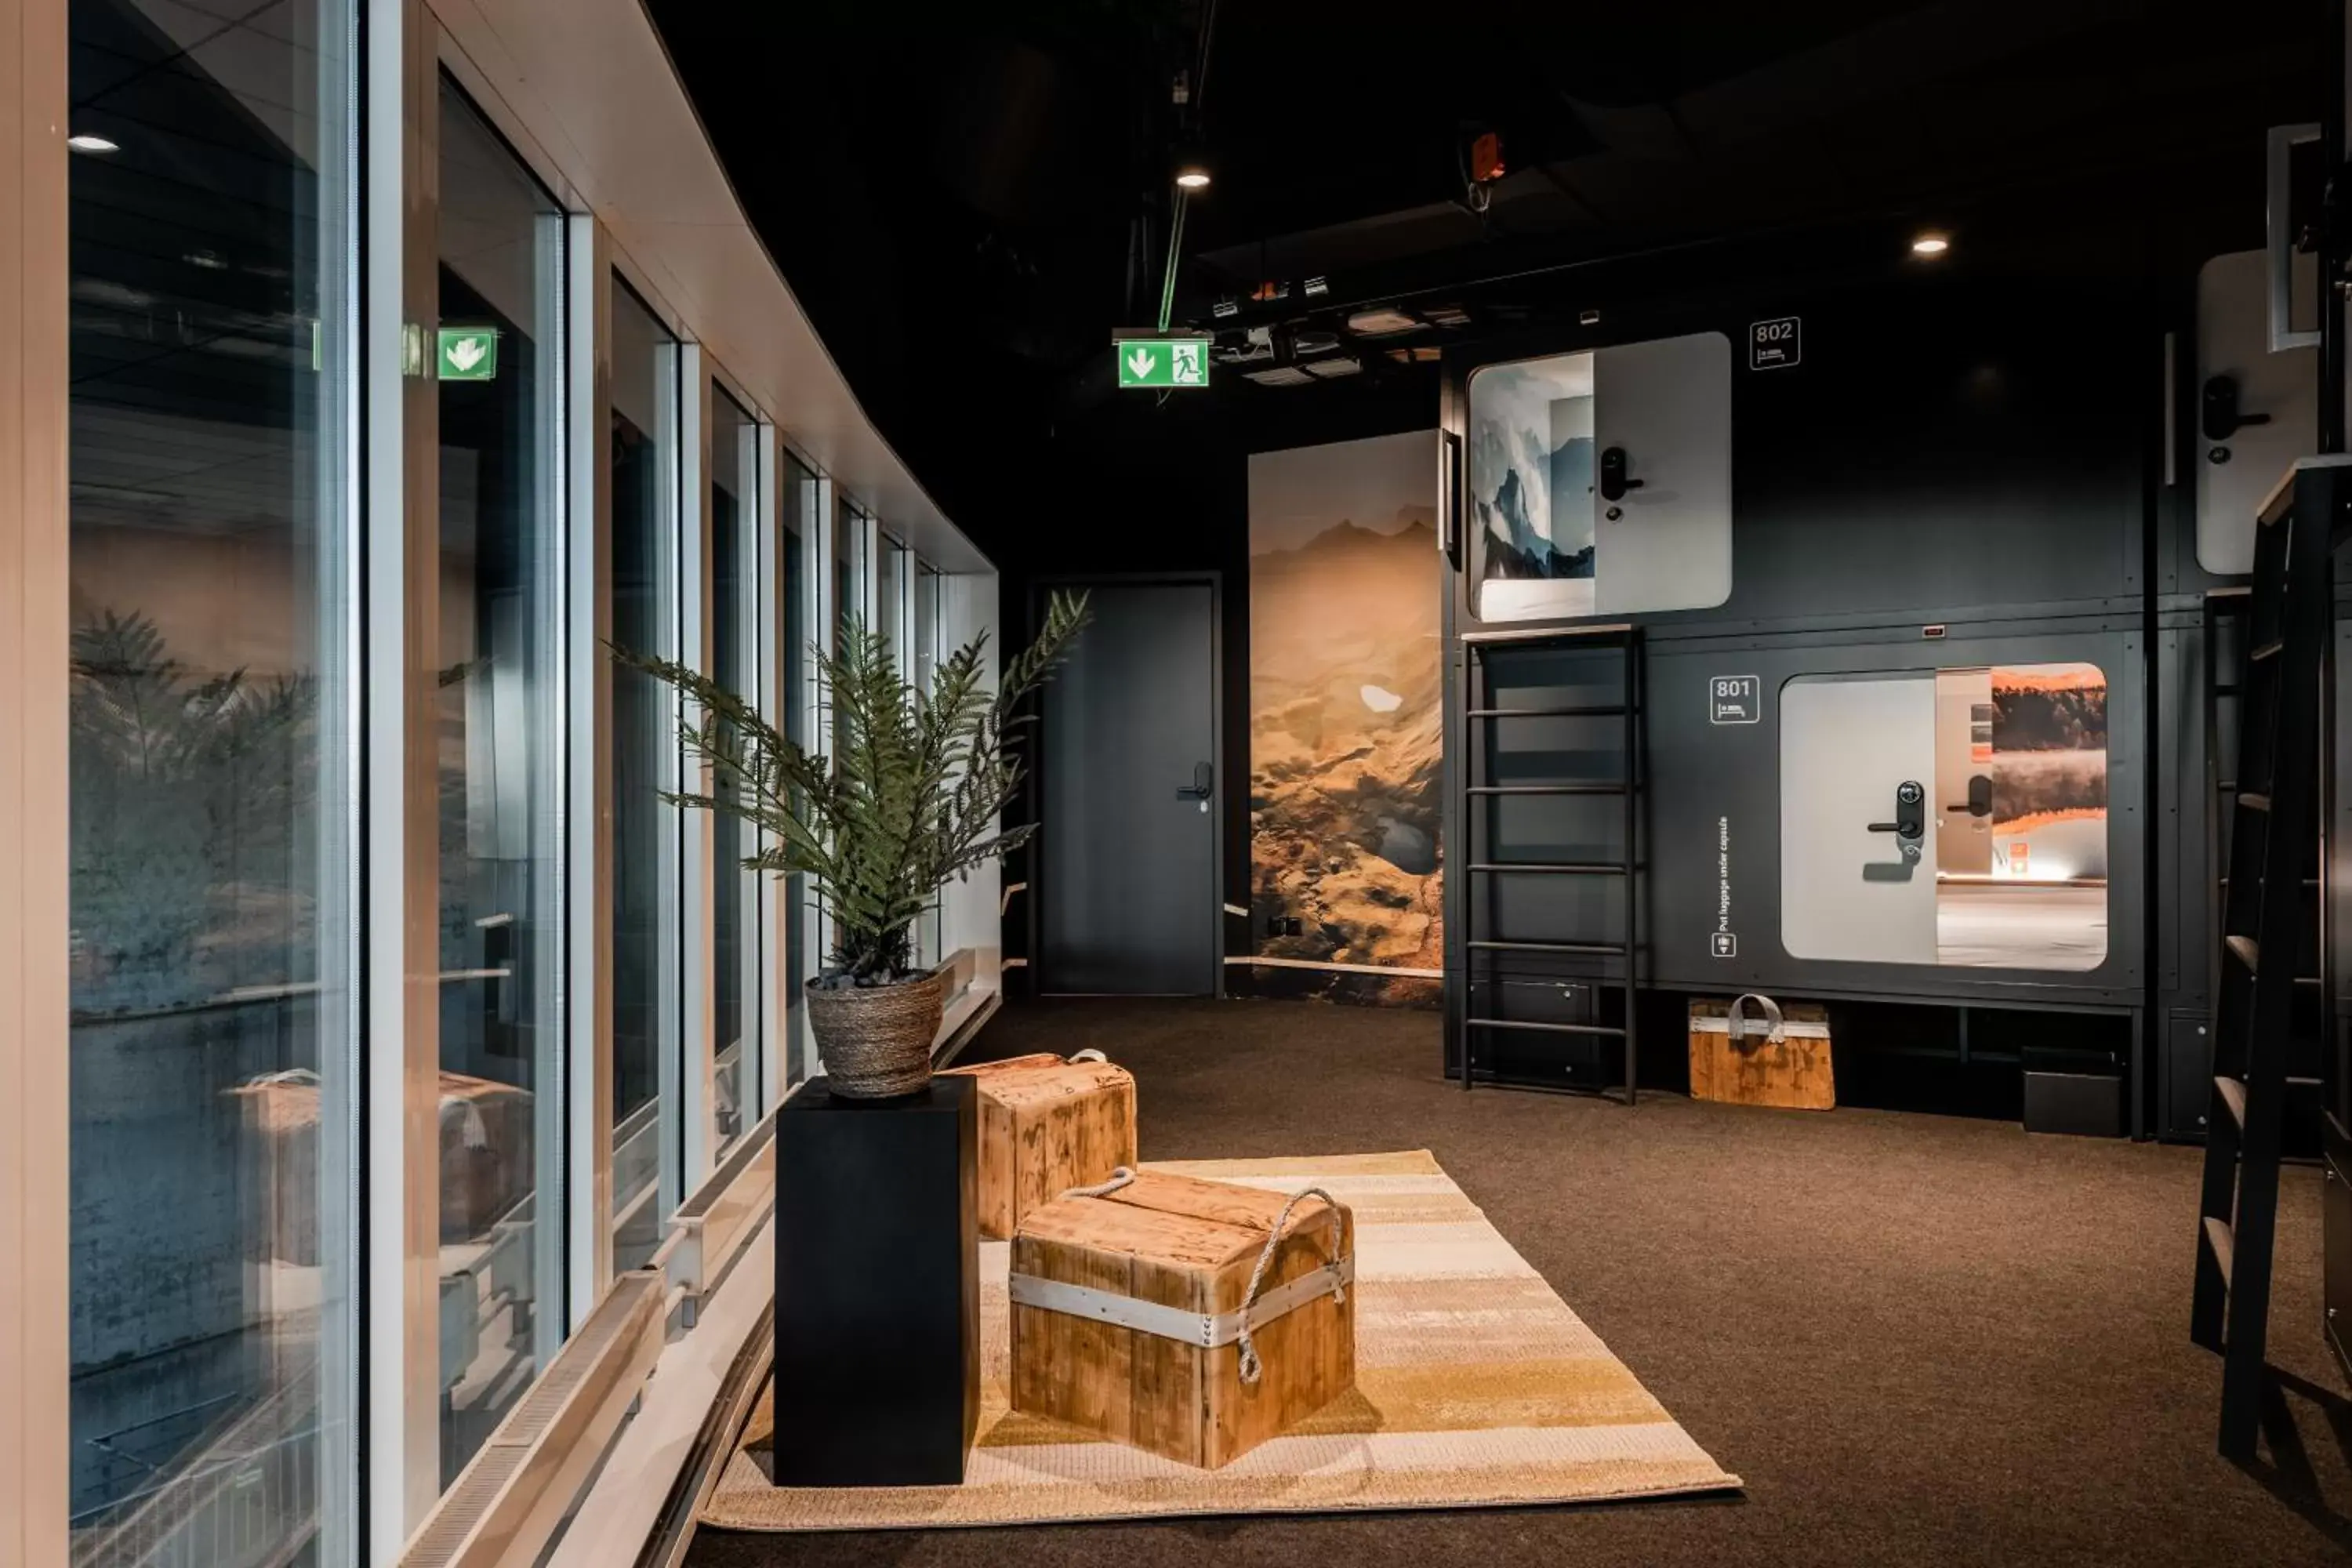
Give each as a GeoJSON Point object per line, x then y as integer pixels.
{"type": "Point", "coordinates": [1345, 727]}
{"type": "Point", "coordinates": [1530, 475]}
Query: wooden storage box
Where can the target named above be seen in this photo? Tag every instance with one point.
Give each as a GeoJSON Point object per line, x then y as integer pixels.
{"type": "Point", "coordinates": [1184, 1250]}
{"type": "Point", "coordinates": [1045, 1126]}
{"type": "Point", "coordinates": [1752, 1066]}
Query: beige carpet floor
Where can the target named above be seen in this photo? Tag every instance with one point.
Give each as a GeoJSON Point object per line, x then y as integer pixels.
{"type": "Point", "coordinates": [1477, 1386]}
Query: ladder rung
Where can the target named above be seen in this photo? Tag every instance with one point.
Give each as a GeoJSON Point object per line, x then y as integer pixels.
{"type": "Point", "coordinates": [2218, 1237]}
{"type": "Point", "coordinates": [1559, 868]}
{"type": "Point", "coordinates": [2249, 951]}
{"type": "Point", "coordinates": [2308, 881]}
{"type": "Point", "coordinates": [2233, 1095]}
{"type": "Point", "coordinates": [1547, 789]}
{"type": "Point", "coordinates": [2252, 801]}
{"type": "Point", "coordinates": [2268, 650]}
{"type": "Point", "coordinates": [1590, 949]}
{"type": "Point", "coordinates": [1546, 1028]}
{"type": "Point", "coordinates": [1592, 710]}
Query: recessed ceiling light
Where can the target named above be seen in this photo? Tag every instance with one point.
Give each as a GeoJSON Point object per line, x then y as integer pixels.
{"type": "Point", "coordinates": [88, 143]}
{"type": "Point", "coordinates": [1192, 177]}
{"type": "Point", "coordinates": [1930, 244]}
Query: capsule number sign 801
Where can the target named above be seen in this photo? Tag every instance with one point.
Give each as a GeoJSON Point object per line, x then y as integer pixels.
{"type": "Point", "coordinates": [1776, 344]}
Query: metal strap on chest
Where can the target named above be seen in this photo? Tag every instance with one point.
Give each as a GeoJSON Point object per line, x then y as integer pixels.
{"type": "Point", "coordinates": [1210, 1329]}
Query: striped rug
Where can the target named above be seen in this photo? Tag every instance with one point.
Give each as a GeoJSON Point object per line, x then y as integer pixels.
{"type": "Point", "coordinates": [1476, 1386]}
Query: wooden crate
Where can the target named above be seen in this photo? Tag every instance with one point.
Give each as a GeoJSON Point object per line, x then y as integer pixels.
{"type": "Point", "coordinates": [1190, 1244]}
{"type": "Point", "coordinates": [486, 1153]}
{"type": "Point", "coordinates": [1793, 1072]}
{"type": "Point", "coordinates": [1045, 1126]}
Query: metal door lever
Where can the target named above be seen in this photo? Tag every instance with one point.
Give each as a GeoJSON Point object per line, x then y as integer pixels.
{"type": "Point", "coordinates": [1203, 785]}
{"type": "Point", "coordinates": [1910, 821]}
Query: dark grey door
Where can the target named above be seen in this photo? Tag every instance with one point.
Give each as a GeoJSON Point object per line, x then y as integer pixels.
{"type": "Point", "coordinates": [1128, 782]}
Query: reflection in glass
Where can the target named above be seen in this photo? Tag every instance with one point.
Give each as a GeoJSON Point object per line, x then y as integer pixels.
{"type": "Point", "coordinates": [795, 596]}
{"type": "Point", "coordinates": [848, 568]}
{"type": "Point", "coordinates": [925, 610]}
{"type": "Point", "coordinates": [645, 751]}
{"type": "Point", "coordinates": [734, 620]}
{"type": "Point", "coordinates": [501, 239]}
{"type": "Point", "coordinates": [890, 588]}
{"type": "Point", "coordinates": [212, 1049]}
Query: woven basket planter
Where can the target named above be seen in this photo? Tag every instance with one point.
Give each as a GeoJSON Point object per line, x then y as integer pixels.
{"type": "Point", "coordinates": [876, 1043]}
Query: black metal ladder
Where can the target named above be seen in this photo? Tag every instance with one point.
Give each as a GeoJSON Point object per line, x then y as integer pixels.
{"type": "Point", "coordinates": [1482, 944]}
{"type": "Point", "coordinates": [2264, 926]}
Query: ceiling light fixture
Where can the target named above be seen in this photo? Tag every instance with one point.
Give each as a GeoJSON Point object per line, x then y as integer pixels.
{"type": "Point", "coordinates": [89, 143]}
{"type": "Point", "coordinates": [1930, 244]}
{"type": "Point", "coordinates": [1191, 172]}
{"type": "Point", "coordinates": [1382, 321]}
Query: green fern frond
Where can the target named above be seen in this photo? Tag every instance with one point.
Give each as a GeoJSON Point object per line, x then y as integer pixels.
{"type": "Point", "coordinates": [912, 796]}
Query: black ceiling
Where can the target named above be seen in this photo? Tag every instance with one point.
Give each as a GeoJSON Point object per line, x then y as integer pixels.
{"type": "Point", "coordinates": [990, 181]}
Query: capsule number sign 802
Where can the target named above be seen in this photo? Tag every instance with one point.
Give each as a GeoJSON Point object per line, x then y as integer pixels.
{"type": "Point", "coordinates": [1776, 344]}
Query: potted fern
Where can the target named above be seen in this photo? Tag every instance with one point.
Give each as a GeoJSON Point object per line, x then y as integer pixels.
{"type": "Point", "coordinates": [912, 795]}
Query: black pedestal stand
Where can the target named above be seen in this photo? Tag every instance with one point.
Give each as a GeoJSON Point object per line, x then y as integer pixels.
{"type": "Point", "coordinates": [878, 1287]}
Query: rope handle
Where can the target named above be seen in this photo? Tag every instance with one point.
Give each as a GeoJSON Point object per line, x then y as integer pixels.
{"type": "Point", "coordinates": [1774, 1033]}
{"type": "Point", "coordinates": [1119, 1178]}
{"type": "Point", "coordinates": [1088, 1055]}
{"type": "Point", "coordinates": [1251, 1367]}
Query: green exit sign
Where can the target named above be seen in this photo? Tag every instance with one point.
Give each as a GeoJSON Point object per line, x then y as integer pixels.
{"type": "Point", "coordinates": [469, 354]}
{"type": "Point", "coordinates": [1157, 362]}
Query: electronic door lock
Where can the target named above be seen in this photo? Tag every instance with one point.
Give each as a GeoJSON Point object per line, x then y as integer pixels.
{"type": "Point", "coordinates": [1613, 481]}
{"type": "Point", "coordinates": [2220, 415]}
{"type": "Point", "coordinates": [1910, 824]}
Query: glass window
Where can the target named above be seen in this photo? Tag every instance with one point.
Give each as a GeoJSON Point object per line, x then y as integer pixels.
{"type": "Point", "coordinates": [735, 650]}
{"type": "Point", "coordinates": [645, 751]}
{"type": "Point", "coordinates": [848, 567]}
{"type": "Point", "coordinates": [1600, 482]}
{"type": "Point", "coordinates": [925, 610]}
{"type": "Point", "coordinates": [502, 281]}
{"type": "Point", "coordinates": [1989, 785]}
{"type": "Point", "coordinates": [795, 595]}
{"type": "Point", "coordinates": [892, 588]}
{"type": "Point", "coordinates": [213, 1042]}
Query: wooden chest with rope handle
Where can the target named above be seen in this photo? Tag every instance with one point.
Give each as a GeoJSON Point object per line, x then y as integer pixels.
{"type": "Point", "coordinates": [1191, 1319]}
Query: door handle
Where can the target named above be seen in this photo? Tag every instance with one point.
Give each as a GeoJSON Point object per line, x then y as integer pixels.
{"type": "Point", "coordinates": [2220, 416]}
{"type": "Point", "coordinates": [1910, 817]}
{"type": "Point", "coordinates": [1203, 785]}
{"type": "Point", "coordinates": [1613, 481]}
{"type": "Point", "coordinates": [1979, 801]}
